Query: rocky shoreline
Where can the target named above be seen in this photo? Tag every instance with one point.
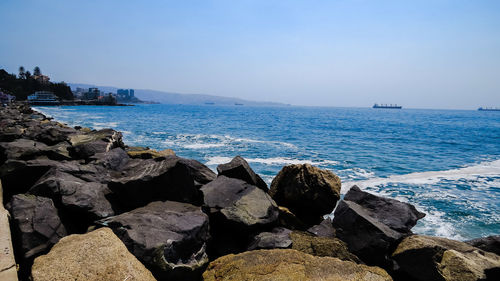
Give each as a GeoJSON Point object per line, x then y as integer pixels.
{"type": "Point", "coordinates": [85, 206]}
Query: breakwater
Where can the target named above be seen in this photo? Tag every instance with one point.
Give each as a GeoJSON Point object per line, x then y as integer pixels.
{"type": "Point", "coordinates": [171, 218]}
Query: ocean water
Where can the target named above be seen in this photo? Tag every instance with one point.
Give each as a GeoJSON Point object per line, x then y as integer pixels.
{"type": "Point", "coordinates": [445, 162]}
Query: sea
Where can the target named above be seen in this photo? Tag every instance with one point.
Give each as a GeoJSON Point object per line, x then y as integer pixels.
{"type": "Point", "coordinates": [445, 162]}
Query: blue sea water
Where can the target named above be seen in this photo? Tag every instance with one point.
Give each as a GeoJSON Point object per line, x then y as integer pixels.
{"type": "Point", "coordinates": [446, 162]}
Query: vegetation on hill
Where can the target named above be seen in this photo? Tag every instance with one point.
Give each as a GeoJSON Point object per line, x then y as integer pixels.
{"type": "Point", "coordinates": [25, 84]}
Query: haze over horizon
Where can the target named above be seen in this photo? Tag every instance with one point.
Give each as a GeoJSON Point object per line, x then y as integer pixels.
{"type": "Point", "coordinates": [426, 54]}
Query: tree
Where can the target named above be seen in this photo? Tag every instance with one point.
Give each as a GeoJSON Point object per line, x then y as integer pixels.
{"type": "Point", "coordinates": [37, 71]}
{"type": "Point", "coordinates": [21, 72]}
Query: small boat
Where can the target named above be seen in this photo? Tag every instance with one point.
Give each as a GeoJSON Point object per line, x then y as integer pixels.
{"type": "Point", "coordinates": [43, 98]}
{"type": "Point", "coordinates": [488, 109]}
{"type": "Point", "coordinates": [238, 104]}
{"type": "Point", "coordinates": [391, 106]}
{"type": "Point", "coordinates": [210, 103]}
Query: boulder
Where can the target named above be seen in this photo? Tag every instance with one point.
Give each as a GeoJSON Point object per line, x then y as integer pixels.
{"type": "Point", "coordinates": [290, 265]}
{"type": "Point", "coordinates": [490, 243]}
{"type": "Point", "coordinates": [240, 202]}
{"type": "Point", "coordinates": [238, 168]}
{"type": "Point", "coordinates": [147, 153]}
{"type": "Point", "coordinates": [324, 229]}
{"type": "Point", "coordinates": [115, 159]}
{"type": "Point", "coordinates": [372, 225]}
{"type": "Point", "coordinates": [82, 201]}
{"type": "Point", "coordinates": [307, 191]}
{"type": "Point", "coordinates": [168, 237]}
{"type": "Point", "coordinates": [143, 181]}
{"type": "Point", "coordinates": [19, 176]}
{"type": "Point", "coordinates": [201, 173]}
{"type": "Point", "coordinates": [24, 149]}
{"type": "Point", "coordinates": [51, 135]}
{"type": "Point", "coordinates": [236, 210]}
{"type": "Point", "coordinates": [98, 255]}
{"type": "Point", "coordinates": [433, 258]}
{"type": "Point", "coordinates": [36, 224]}
{"type": "Point", "coordinates": [86, 145]}
{"type": "Point", "coordinates": [302, 241]}
{"type": "Point", "coordinates": [397, 215]}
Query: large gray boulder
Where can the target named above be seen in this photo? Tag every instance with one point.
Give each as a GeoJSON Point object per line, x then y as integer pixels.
{"type": "Point", "coordinates": [143, 181]}
{"type": "Point", "coordinates": [236, 210]}
{"type": "Point", "coordinates": [84, 146]}
{"type": "Point", "coordinates": [397, 215]}
{"type": "Point", "coordinates": [36, 224]}
{"type": "Point", "coordinates": [84, 200]}
{"type": "Point", "coordinates": [307, 191]}
{"type": "Point", "coordinates": [372, 225]}
{"type": "Point", "coordinates": [201, 173]}
{"type": "Point", "coordinates": [115, 159]}
{"type": "Point", "coordinates": [168, 237]}
{"type": "Point", "coordinates": [24, 149]}
{"type": "Point", "coordinates": [238, 168]}
{"type": "Point", "coordinates": [426, 258]}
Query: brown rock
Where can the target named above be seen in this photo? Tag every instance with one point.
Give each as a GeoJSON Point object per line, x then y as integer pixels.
{"type": "Point", "coordinates": [147, 153]}
{"type": "Point", "coordinates": [98, 255]}
{"type": "Point", "coordinates": [288, 265]}
{"type": "Point", "coordinates": [307, 191]}
{"type": "Point", "coordinates": [433, 258]}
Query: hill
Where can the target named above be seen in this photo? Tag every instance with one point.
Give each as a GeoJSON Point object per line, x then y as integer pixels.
{"type": "Point", "coordinates": [177, 98]}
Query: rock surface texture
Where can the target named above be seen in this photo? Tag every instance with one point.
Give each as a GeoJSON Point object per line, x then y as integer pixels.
{"type": "Point", "coordinates": [36, 223]}
{"type": "Point", "coordinates": [306, 191]}
{"type": "Point", "coordinates": [432, 258]}
{"type": "Point", "coordinates": [144, 181]}
{"type": "Point", "coordinates": [95, 256]}
{"type": "Point", "coordinates": [372, 225]}
{"type": "Point", "coordinates": [288, 265]}
{"type": "Point", "coordinates": [236, 209]}
{"type": "Point", "coordinates": [168, 237]}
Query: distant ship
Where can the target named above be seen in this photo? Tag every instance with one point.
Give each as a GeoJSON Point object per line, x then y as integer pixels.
{"type": "Point", "coordinates": [210, 103]}
{"type": "Point", "coordinates": [43, 98]}
{"type": "Point", "coordinates": [392, 106]}
{"type": "Point", "coordinates": [488, 109]}
{"type": "Point", "coordinates": [238, 104]}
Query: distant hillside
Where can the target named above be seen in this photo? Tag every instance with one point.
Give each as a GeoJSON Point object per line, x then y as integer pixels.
{"type": "Point", "coordinates": [176, 98]}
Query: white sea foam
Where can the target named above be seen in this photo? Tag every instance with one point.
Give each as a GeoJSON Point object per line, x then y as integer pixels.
{"type": "Point", "coordinates": [99, 125]}
{"type": "Point", "coordinates": [205, 141]}
{"type": "Point", "coordinates": [470, 173]}
{"type": "Point", "coordinates": [203, 145]}
{"type": "Point", "coordinates": [434, 224]}
{"type": "Point", "coordinates": [271, 161]}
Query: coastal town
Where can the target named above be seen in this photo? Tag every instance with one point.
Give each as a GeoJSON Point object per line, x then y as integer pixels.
{"type": "Point", "coordinates": [44, 92]}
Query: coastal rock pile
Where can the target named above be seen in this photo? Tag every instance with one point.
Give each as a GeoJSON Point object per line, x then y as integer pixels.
{"type": "Point", "coordinates": [84, 206]}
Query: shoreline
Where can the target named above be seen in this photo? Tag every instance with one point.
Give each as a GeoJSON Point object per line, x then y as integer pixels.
{"type": "Point", "coordinates": [118, 184]}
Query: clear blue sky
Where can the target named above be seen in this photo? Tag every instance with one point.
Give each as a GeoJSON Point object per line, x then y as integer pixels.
{"type": "Point", "coordinates": [424, 54]}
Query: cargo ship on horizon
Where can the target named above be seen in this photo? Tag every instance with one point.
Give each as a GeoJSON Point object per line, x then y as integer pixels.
{"type": "Point", "coordinates": [488, 109]}
{"type": "Point", "coordinates": [391, 106]}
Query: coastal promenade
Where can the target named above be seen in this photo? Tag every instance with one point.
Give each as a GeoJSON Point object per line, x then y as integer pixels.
{"type": "Point", "coordinates": [85, 206]}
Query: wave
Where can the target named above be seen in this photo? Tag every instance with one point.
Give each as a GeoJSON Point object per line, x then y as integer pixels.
{"type": "Point", "coordinates": [205, 141]}
{"type": "Point", "coordinates": [470, 173]}
{"type": "Point", "coordinates": [270, 161]}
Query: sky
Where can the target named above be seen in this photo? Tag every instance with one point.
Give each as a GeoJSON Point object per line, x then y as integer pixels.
{"type": "Point", "coordinates": [420, 54]}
